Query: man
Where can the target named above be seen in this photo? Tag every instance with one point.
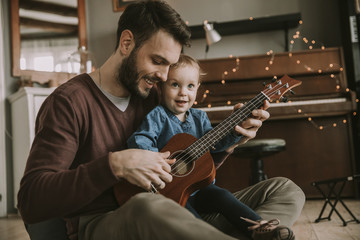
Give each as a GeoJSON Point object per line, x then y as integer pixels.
{"type": "Point", "coordinates": [79, 151]}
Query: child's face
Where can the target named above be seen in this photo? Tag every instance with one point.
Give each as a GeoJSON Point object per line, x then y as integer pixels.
{"type": "Point", "coordinates": [179, 91]}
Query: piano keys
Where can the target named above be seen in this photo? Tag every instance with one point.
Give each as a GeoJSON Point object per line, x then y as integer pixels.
{"type": "Point", "coordinates": [293, 109]}
{"type": "Point", "coordinates": [312, 154]}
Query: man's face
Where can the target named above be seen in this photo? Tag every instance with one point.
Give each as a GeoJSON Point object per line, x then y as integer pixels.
{"type": "Point", "coordinates": [149, 64]}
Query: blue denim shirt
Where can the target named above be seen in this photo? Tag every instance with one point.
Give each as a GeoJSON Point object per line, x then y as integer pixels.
{"type": "Point", "coordinates": [161, 124]}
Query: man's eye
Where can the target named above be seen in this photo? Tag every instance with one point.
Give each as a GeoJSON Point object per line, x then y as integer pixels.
{"type": "Point", "coordinates": [156, 62]}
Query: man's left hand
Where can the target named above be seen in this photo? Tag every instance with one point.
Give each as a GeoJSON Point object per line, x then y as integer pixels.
{"type": "Point", "coordinates": [251, 125]}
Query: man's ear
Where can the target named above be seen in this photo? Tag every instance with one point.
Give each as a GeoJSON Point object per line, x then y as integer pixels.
{"type": "Point", "coordinates": [127, 42]}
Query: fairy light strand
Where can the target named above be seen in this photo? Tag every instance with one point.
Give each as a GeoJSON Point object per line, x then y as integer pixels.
{"type": "Point", "coordinates": [310, 44]}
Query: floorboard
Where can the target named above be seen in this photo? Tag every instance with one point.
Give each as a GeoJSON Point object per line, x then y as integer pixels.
{"type": "Point", "coordinates": [12, 227]}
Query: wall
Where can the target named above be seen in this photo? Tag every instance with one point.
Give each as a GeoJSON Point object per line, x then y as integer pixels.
{"type": "Point", "coordinates": [3, 200]}
{"type": "Point", "coordinates": [230, 10]}
{"type": "Point", "coordinates": [9, 87]}
{"type": "Point", "coordinates": [317, 23]}
{"type": "Point", "coordinates": [101, 33]}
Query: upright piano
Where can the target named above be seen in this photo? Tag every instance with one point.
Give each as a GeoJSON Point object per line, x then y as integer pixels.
{"type": "Point", "coordinates": [316, 122]}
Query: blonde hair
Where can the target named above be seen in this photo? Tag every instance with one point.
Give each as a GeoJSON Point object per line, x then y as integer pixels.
{"type": "Point", "coordinates": [188, 60]}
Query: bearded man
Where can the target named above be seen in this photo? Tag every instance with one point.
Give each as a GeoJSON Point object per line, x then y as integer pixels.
{"type": "Point", "coordinates": [79, 152]}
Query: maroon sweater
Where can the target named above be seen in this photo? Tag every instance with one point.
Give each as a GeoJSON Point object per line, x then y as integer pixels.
{"type": "Point", "coordinates": [68, 172]}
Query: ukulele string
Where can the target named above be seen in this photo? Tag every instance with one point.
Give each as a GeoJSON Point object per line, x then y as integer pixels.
{"type": "Point", "coordinates": [257, 100]}
{"type": "Point", "coordinates": [234, 118]}
{"type": "Point", "coordinates": [200, 151]}
{"type": "Point", "coordinates": [219, 132]}
{"type": "Point", "coordinates": [191, 154]}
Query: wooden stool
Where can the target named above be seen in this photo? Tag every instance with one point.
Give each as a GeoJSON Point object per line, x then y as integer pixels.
{"type": "Point", "coordinates": [256, 150]}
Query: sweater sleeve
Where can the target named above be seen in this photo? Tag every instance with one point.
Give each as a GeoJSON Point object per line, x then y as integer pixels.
{"type": "Point", "coordinates": [52, 186]}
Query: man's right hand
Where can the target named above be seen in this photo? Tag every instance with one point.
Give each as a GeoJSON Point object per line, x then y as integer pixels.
{"type": "Point", "coordinates": [142, 167]}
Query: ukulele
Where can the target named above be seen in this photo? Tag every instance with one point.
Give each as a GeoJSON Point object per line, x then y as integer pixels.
{"type": "Point", "coordinates": [194, 167]}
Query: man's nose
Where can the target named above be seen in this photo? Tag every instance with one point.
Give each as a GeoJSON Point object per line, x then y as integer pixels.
{"type": "Point", "coordinates": [162, 73]}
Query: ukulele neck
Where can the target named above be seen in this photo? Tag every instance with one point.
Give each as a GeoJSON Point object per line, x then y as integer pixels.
{"type": "Point", "coordinates": [210, 139]}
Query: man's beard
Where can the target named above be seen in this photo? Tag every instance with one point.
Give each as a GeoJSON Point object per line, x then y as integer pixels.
{"type": "Point", "coordinates": [129, 75]}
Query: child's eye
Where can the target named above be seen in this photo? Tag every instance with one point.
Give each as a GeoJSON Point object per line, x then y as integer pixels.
{"type": "Point", "coordinates": [174, 84]}
{"type": "Point", "coordinates": [191, 86]}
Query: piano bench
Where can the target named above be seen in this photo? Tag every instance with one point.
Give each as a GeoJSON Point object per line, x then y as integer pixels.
{"type": "Point", "coordinates": [256, 150]}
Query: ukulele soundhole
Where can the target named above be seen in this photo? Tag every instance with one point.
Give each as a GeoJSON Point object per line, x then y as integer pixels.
{"type": "Point", "coordinates": [184, 164]}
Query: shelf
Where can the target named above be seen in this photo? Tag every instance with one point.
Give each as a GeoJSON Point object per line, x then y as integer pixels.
{"type": "Point", "coordinates": [273, 23]}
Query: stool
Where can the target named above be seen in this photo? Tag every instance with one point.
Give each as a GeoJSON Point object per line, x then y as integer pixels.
{"type": "Point", "coordinates": [256, 150]}
{"type": "Point", "coordinates": [335, 191]}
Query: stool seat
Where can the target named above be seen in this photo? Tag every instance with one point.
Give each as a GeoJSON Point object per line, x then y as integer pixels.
{"type": "Point", "coordinates": [261, 147]}
{"type": "Point", "coordinates": [256, 150]}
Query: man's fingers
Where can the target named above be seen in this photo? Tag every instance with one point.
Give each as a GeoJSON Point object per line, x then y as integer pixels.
{"type": "Point", "coordinates": [238, 105]}
{"type": "Point", "coordinates": [260, 114]}
{"type": "Point", "coordinates": [251, 123]}
{"type": "Point", "coordinates": [250, 133]}
{"type": "Point", "coordinates": [165, 154]}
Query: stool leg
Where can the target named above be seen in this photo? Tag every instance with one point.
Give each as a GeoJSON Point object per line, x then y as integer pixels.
{"type": "Point", "coordinates": [257, 173]}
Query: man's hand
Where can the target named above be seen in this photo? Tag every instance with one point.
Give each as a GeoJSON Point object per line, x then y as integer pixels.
{"type": "Point", "coordinates": [142, 167]}
{"type": "Point", "coordinates": [251, 125]}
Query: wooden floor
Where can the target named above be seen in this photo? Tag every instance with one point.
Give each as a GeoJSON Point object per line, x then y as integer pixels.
{"type": "Point", "coordinates": [306, 229]}
{"type": "Point", "coordinates": [12, 228]}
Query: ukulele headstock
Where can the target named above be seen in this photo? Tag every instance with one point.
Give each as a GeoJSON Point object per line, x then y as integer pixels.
{"type": "Point", "coordinates": [276, 90]}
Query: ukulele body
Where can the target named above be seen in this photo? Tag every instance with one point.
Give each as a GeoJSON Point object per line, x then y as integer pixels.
{"type": "Point", "coordinates": [197, 174]}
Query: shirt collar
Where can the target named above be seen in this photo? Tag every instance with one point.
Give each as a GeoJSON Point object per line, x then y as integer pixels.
{"type": "Point", "coordinates": [172, 116]}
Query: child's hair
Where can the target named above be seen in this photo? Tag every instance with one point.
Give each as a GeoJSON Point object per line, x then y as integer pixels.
{"type": "Point", "coordinates": [184, 60]}
{"type": "Point", "coordinates": [188, 60]}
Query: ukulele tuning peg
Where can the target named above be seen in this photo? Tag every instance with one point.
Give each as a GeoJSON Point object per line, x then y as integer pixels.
{"type": "Point", "coordinates": [292, 92]}
{"type": "Point", "coordinates": [264, 84]}
{"type": "Point", "coordinates": [284, 99]}
{"type": "Point", "coordinates": [274, 80]}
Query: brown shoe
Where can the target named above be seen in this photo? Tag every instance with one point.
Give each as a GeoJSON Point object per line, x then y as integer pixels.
{"type": "Point", "coordinates": [270, 230]}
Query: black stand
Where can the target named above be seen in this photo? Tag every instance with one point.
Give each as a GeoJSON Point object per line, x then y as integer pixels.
{"type": "Point", "coordinates": [257, 173]}
{"type": "Point", "coordinates": [256, 150]}
{"type": "Point", "coordinates": [336, 192]}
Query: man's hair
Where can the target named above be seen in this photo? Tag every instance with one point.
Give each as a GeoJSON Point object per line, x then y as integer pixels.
{"type": "Point", "coordinates": [146, 18]}
{"type": "Point", "coordinates": [188, 60]}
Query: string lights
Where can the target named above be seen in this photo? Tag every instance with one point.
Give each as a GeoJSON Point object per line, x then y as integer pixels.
{"type": "Point", "coordinates": [297, 38]}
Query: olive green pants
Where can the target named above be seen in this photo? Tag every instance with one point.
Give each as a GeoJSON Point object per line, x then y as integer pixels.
{"type": "Point", "coordinates": [152, 216]}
